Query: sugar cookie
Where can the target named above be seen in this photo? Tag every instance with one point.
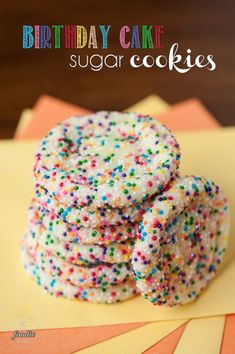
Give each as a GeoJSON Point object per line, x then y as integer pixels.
{"type": "Point", "coordinates": [101, 275]}
{"type": "Point", "coordinates": [106, 158]}
{"type": "Point", "coordinates": [80, 254]}
{"type": "Point", "coordinates": [181, 242]}
{"type": "Point", "coordinates": [73, 232]}
{"type": "Point", "coordinates": [55, 287]}
{"type": "Point", "coordinates": [98, 217]}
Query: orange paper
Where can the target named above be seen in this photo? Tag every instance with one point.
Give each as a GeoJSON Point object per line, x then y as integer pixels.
{"type": "Point", "coordinates": [228, 343]}
{"type": "Point", "coordinates": [168, 344]}
{"type": "Point", "coordinates": [63, 341]}
{"type": "Point", "coordinates": [188, 115]}
{"type": "Point", "coordinates": [47, 112]}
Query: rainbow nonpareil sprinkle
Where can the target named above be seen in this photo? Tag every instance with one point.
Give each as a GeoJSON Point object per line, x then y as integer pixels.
{"type": "Point", "coordinates": [181, 242]}
{"type": "Point", "coordinates": [107, 158]}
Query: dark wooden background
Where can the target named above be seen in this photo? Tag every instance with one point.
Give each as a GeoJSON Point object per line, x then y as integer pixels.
{"type": "Point", "coordinates": [207, 27]}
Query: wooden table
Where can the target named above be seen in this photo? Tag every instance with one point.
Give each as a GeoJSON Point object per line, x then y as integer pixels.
{"type": "Point", "coordinates": [203, 26]}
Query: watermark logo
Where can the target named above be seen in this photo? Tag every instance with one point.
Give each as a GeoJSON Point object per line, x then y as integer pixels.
{"type": "Point", "coordinates": [22, 331]}
{"type": "Point", "coordinates": [23, 334]}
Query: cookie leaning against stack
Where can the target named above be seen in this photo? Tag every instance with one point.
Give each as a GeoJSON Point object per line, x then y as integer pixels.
{"type": "Point", "coordinates": [95, 177]}
{"type": "Point", "coordinates": [181, 241]}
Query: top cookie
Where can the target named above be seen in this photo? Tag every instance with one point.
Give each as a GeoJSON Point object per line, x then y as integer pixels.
{"type": "Point", "coordinates": [106, 158]}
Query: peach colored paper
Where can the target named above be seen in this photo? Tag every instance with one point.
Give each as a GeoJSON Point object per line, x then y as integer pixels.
{"type": "Point", "coordinates": [63, 340]}
{"type": "Point", "coordinates": [188, 115]}
{"type": "Point", "coordinates": [47, 112]}
{"type": "Point", "coordinates": [228, 342]}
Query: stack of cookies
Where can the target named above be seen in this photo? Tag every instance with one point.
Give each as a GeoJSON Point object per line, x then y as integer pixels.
{"type": "Point", "coordinates": [95, 177]}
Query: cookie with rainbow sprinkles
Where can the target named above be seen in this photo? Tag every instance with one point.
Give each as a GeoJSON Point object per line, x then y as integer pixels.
{"type": "Point", "coordinates": [80, 254]}
{"type": "Point", "coordinates": [66, 231]}
{"type": "Point", "coordinates": [181, 242]}
{"type": "Point", "coordinates": [91, 218]}
{"type": "Point", "coordinates": [106, 158]}
{"type": "Point", "coordinates": [59, 288]}
{"type": "Point", "coordinates": [92, 276]}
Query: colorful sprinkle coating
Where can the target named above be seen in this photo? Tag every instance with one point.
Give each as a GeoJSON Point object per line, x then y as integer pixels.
{"type": "Point", "coordinates": [96, 276]}
{"type": "Point", "coordinates": [78, 234]}
{"type": "Point", "coordinates": [100, 217]}
{"type": "Point", "coordinates": [83, 216]}
{"type": "Point", "coordinates": [58, 288]}
{"type": "Point", "coordinates": [106, 159]}
{"type": "Point", "coordinates": [181, 242]}
{"type": "Point", "coordinates": [96, 177]}
{"type": "Point", "coordinates": [77, 253]}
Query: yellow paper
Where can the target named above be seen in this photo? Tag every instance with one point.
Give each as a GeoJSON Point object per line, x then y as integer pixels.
{"type": "Point", "coordinates": [206, 153]}
{"type": "Point", "coordinates": [135, 341]}
{"type": "Point", "coordinates": [202, 336]}
{"type": "Point", "coordinates": [151, 105]}
{"type": "Point", "coordinates": [24, 120]}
